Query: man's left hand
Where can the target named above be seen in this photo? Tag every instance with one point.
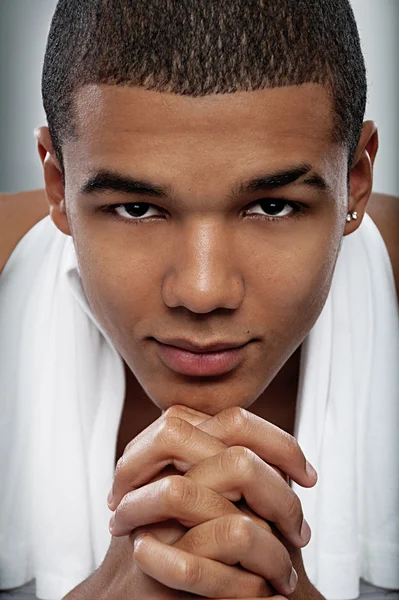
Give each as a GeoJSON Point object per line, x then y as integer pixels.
{"type": "Point", "coordinates": [233, 535]}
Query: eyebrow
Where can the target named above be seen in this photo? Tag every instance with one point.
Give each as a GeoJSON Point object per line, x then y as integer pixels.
{"type": "Point", "coordinates": [110, 181]}
{"type": "Point", "coordinates": [282, 178]}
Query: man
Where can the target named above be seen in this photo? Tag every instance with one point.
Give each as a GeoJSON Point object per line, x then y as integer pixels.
{"type": "Point", "coordinates": [243, 124]}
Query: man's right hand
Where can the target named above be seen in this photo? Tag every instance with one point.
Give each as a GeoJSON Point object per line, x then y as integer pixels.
{"type": "Point", "coordinates": [119, 577]}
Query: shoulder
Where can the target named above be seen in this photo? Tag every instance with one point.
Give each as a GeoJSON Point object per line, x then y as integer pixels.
{"type": "Point", "coordinates": [384, 211]}
{"type": "Point", "coordinates": [18, 214]}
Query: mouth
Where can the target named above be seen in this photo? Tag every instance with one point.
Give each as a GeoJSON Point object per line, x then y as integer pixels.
{"type": "Point", "coordinates": [200, 363]}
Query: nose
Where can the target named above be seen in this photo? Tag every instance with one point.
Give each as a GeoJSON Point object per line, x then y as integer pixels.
{"type": "Point", "coordinates": [201, 271]}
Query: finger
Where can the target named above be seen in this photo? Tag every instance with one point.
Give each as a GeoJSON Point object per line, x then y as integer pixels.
{"type": "Point", "coordinates": [244, 508]}
{"type": "Point", "coordinates": [181, 570]}
{"type": "Point", "coordinates": [169, 440]}
{"type": "Point", "coordinates": [237, 472]}
{"type": "Point", "coordinates": [172, 424]}
{"type": "Point", "coordinates": [236, 539]}
{"type": "Point", "coordinates": [236, 426]}
{"type": "Point", "coordinates": [195, 417]}
{"type": "Point", "coordinates": [171, 531]}
{"type": "Point", "coordinates": [173, 497]}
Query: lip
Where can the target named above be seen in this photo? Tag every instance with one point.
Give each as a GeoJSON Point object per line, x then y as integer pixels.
{"type": "Point", "coordinates": [187, 345]}
{"type": "Point", "coordinates": [205, 364]}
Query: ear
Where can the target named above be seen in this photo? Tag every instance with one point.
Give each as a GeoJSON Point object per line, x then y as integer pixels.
{"type": "Point", "coordinates": [361, 174]}
{"type": "Point", "coordinates": [54, 186]}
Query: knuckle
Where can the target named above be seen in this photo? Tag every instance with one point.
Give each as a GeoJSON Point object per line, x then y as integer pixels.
{"type": "Point", "coordinates": [235, 418]}
{"type": "Point", "coordinates": [122, 509]}
{"type": "Point", "coordinates": [237, 460]}
{"type": "Point", "coordinates": [178, 492]}
{"type": "Point", "coordinates": [292, 507]}
{"type": "Point", "coordinates": [237, 531]}
{"type": "Point", "coordinates": [128, 446]}
{"type": "Point", "coordinates": [176, 410]}
{"type": "Point", "coordinates": [126, 502]}
{"type": "Point", "coordinates": [134, 533]}
{"type": "Point", "coordinates": [191, 572]}
{"type": "Point", "coordinates": [120, 466]}
{"type": "Point", "coordinates": [283, 564]}
{"type": "Point", "coordinates": [174, 430]}
{"type": "Point", "coordinates": [291, 447]}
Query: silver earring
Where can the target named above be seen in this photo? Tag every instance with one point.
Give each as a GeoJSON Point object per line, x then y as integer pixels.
{"type": "Point", "coordinates": [351, 216]}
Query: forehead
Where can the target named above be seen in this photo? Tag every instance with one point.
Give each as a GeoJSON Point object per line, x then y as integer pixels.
{"type": "Point", "coordinates": [117, 125]}
{"type": "Point", "coordinates": [305, 108]}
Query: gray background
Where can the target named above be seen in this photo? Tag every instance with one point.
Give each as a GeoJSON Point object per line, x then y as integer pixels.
{"type": "Point", "coordinates": [24, 25]}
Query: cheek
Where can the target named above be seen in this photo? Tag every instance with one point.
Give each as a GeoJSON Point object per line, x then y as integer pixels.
{"type": "Point", "coordinates": [306, 293]}
{"type": "Point", "coordinates": [120, 303]}
{"type": "Point", "coordinates": [118, 284]}
{"type": "Point", "coordinates": [294, 287]}
{"type": "Point", "coordinates": [285, 289]}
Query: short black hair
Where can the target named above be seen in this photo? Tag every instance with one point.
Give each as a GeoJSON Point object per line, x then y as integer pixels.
{"type": "Point", "coordinates": [200, 47]}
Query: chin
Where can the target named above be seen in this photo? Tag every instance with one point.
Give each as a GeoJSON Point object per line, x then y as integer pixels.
{"type": "Point", "coordinates": [204, 398]}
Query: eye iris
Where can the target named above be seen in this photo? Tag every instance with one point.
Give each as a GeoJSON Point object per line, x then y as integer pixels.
{"type": "Point", "coordinates": [273, 206]}
{"type": "Point", "coordinates": [138, 208]}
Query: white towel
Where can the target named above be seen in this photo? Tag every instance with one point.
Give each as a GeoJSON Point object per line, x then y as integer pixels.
{"type": "Point", "coordinates": [62, 390]}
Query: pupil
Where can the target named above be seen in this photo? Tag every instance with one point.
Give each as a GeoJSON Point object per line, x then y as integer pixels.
{"type": "Point", "coordinates": [274, 206]}
{"type": "Point", "coordinates": [138, 209]}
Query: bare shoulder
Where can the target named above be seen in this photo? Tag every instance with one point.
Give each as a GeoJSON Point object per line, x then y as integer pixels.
{"type": "Point", "coordinates": [384, 210]}
{"type": "Point", "coordinates": [18, 214]}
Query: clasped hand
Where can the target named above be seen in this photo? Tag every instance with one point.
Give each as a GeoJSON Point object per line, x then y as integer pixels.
{"type": "Point", "coordinates": [223, 550]}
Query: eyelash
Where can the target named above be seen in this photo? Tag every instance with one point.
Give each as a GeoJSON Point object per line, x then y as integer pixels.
{"type": "Point", "coordinates": [299, 211]}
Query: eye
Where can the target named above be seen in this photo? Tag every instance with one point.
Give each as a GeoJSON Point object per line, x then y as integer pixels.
{"type": "Point", "coordinates": [141, 211]}
{"type": "Point", "coordinates": [132, 211]}
{"type": "Point", "coordinates": [276, 207]}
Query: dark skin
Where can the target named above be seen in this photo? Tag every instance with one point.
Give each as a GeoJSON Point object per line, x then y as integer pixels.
{"type": "Point", "coordinates": [139, 412]}
{"type": "Point", "coordinates": [242, 276]}
{"type": "Point", "coordinates": [223, 287]}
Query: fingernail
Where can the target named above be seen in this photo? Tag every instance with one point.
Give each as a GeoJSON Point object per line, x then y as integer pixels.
{"type": "Point", "coordinates": [293, 580]}
{"type": "Point", "coordinates": [112, 522]}
{"type": "Point", "coordinates": [110, 495]}
{"type": "Point", "coordinates": [305, 532]}
{"type": "Point", "coordinates": [310, 471]}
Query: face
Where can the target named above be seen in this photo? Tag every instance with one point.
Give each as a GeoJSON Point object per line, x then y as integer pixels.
{"type": "Point", "coordinates": [227, 239]}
